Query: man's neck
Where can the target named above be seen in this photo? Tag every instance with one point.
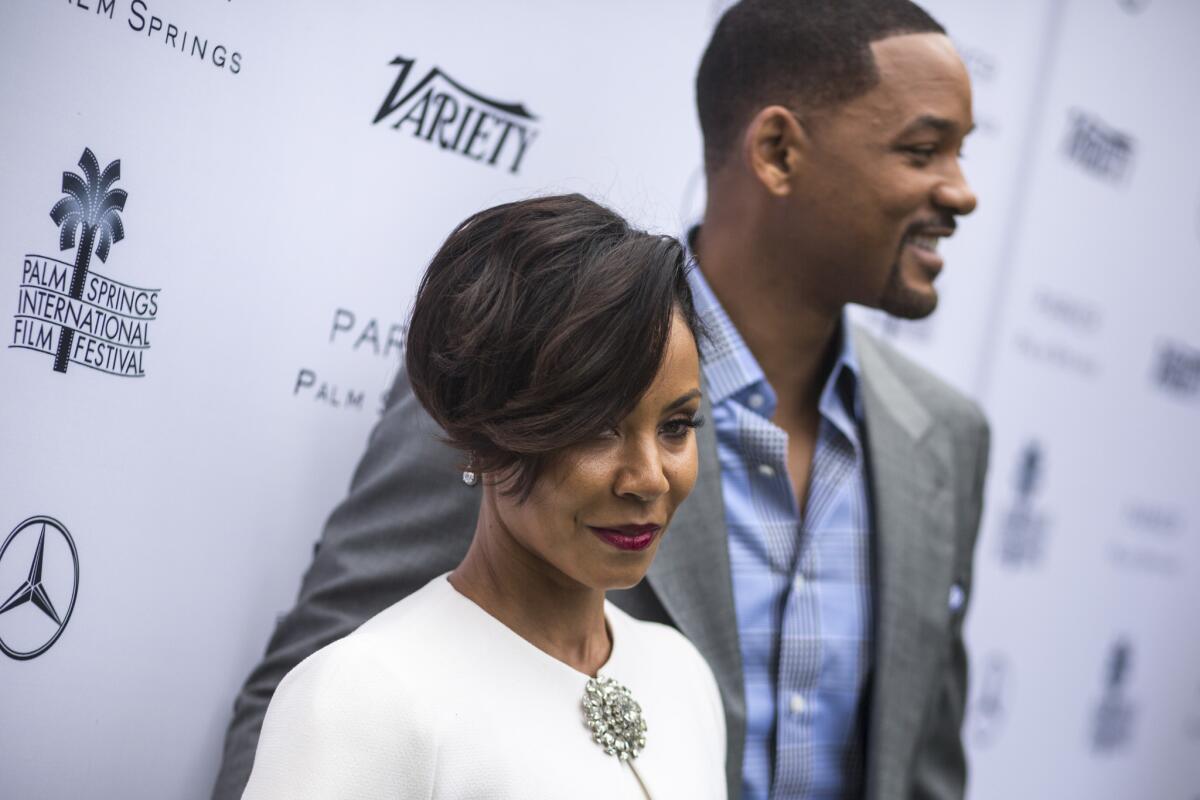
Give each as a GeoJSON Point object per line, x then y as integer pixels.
{"type": "Point", "coordinates": [792, 337]}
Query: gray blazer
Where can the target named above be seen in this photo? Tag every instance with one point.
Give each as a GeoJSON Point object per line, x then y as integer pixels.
{"type": "Point", "coordinates": [408, 518]}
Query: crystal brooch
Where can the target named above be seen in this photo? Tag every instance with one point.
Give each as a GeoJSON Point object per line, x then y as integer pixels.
{"type": "Point", "coordinates": [614, 718]}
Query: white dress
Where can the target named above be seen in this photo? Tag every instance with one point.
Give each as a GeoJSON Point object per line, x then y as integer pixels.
{"type": "Point", "coordinates": [435, 698]}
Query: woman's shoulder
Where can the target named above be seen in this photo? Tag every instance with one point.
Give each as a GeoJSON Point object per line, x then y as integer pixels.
{"type": "Point", "coordinates": [359, 717]}
{"type": "Point", "coordinates": [422, 611]}
{"type": "Point", "coordinates": [386, 657]}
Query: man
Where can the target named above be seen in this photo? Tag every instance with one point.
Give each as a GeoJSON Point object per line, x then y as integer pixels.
{"type": "Point", "coordinates": [823, 562]}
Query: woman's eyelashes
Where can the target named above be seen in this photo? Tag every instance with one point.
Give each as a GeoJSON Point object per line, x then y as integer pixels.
{"type": "Point", "coordinates": [679, 427]}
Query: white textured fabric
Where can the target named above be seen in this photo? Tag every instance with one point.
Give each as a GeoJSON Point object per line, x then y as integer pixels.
{"type": "Point", "coordinates": [435, 698]}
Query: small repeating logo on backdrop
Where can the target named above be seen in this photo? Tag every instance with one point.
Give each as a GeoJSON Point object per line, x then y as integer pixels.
{"type": "Point", "coordinates": [66, 309]}
{"type": "Point", "coordinates": [990, 708]}
{"type": "Point", "coordinates": [1103, 151]}
{"type": "Point", "coordinates": [1177, 370]}
{"type": "Point", "coordinates": [1133, 6]}
{"type": "Point", "coordinates": [1112, 726]}
{"type": "Point", "coordinates": [357, 333]}
{"type": "Point", "coordinates": [439, 110]}
{"type": "Point", "coordinates": [39, 577]}
{"type": "Point", "coordinates": [1024, 527]}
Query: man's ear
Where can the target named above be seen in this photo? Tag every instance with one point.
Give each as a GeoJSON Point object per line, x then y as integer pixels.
{"type": "Point", "coordinates": [774, 145]}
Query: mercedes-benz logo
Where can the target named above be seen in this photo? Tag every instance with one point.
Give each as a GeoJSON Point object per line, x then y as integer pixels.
{"type": "Point", "coordinates": [34, 559]}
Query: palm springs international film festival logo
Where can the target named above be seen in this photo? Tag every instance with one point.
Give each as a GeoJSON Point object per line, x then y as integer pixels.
{"type": "Point", "coordinates": [440, 109]}
{"type": "Point", "coordinates": [71, 312]}
{"type": "Point", "coordinates": [1024, 527]}
{"type": "Point", "coordinates": [39, 580]}
{"type": "Point", "coordinates": [1112, 725]}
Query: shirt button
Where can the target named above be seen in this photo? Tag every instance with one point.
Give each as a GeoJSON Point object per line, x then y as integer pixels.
{"type": "Point", "coordinates": [797, 704]}
{"type": "Point", "coordinates": [756, 400]}
{"type": "Point", "coordinates": [798, 583]}
{"type": "Point", "coordinates": [957, 598]}
{"type": "Point", "coordinates": [766, 470]}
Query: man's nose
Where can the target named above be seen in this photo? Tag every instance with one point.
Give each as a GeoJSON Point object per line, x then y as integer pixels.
{"type": "Point", "coordinates": [954, 193]}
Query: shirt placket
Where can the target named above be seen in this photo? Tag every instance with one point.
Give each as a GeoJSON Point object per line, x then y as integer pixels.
{"type": "Point", "coordinates": [801, 631]}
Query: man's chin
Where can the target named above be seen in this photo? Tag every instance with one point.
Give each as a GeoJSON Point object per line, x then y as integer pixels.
{"type": "Point", "coordinates": [909, 302]}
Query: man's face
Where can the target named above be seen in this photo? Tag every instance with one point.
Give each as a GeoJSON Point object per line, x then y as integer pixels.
{"type": "Point", "coordinates": [881, 183]}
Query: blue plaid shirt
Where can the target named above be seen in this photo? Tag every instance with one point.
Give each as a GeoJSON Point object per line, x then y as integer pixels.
{"type": "Point", "coordinates": [801, 587]}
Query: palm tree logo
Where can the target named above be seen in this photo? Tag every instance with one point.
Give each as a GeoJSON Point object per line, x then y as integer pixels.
{"type": "Point", "coordinates": [92, 208]}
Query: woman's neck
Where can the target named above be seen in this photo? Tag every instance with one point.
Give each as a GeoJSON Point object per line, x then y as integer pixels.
{"type": "Point", "coordinates": [538, 602]}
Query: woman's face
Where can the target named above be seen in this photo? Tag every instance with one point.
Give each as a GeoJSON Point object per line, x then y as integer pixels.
{"type": "Point", "coordinates": [599, 509]}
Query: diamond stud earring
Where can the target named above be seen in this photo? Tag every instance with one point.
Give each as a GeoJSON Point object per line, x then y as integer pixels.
{"type": "Point", "coordinates": [470, 478]}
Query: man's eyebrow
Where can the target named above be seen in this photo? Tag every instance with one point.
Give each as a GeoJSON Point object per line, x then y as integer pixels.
{"type": "Point", "coordinates": [939, 124]}
{"type": "Point", "coordinates": [681, 400]}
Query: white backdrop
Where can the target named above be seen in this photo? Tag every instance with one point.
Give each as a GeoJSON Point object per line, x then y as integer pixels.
{"type": "Point", "coordinates": [283, 232]}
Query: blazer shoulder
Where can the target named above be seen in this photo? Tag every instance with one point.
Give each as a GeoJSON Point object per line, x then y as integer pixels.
{"type": "Point", "coordinates": [948, 404]}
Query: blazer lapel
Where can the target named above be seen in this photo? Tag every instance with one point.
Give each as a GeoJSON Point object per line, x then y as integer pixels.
{"type": "Point", "coordinates": [909, 457]}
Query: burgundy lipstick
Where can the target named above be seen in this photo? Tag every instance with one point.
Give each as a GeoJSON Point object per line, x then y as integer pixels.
{"type": "Point", "coordinates": [628, 537]}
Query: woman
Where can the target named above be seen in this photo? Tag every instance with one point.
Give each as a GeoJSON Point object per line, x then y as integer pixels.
{"type": "Point", "coordinates": [556, 348]}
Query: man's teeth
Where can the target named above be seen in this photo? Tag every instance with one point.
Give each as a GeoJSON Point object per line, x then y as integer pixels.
{"type": "Point", "coordinates": [929, 243]}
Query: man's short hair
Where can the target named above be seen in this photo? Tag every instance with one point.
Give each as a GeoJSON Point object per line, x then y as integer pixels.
{"type": "Point", "coordinates": [807, 55]}
{"type": "Point", "coordinates": [538, 325]}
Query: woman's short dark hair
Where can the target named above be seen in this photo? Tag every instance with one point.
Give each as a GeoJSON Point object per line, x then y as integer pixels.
{"type": "Point", "coordinates": [539, 324]}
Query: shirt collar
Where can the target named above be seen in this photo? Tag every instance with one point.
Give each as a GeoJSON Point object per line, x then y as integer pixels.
{"type": "Point", "coordinates": [730, 369]}
{"type": "Point", "coordinates": [841, 397]}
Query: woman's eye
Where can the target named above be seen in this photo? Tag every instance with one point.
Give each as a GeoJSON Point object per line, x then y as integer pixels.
{"type": "Point", "coordinates": [678, 428]}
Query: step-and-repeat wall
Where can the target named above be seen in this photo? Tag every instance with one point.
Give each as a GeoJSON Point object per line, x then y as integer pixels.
{"type": "Point", "coordinates": [213, 218]}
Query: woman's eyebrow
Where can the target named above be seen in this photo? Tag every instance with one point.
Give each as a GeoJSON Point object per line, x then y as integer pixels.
{"type": "Point", "coordinates": [678, 401]}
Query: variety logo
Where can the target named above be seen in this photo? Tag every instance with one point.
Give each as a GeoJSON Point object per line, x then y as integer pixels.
{"type": "Point", "coordinates": [439, 109]}
{"type": "Point", "coordinates": [1113, 723]}
{"type": "Point", "coordinates": [39, 560]}
{"type": "Point", "coordinates": [68, 310]}
{"type": "Point", "coordinates": [1177, 369]}
{"type": "Point", "coordinates": [1100, 149]}
{"type": "Point", "coordinates": [990, 708]}
{"type": "Point", "coordinates": [1024, 528]}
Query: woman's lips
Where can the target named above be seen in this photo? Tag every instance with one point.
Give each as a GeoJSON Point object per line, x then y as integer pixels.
{"type": "Point", "coordinates": [628, 537]}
